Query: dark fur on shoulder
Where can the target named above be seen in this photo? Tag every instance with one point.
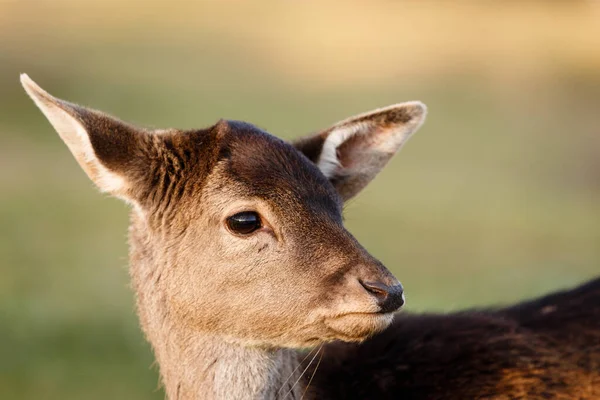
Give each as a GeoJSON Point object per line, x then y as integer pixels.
{"type": "Point", "coordinates": [548, 348]}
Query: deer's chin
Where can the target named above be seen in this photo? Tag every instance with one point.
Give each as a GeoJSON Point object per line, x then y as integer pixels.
{"type": "Point", "coordinates": [356, 327]}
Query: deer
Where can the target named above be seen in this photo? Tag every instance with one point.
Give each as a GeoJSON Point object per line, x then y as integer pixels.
{"type": "Point", "coordinates": [248, 285]}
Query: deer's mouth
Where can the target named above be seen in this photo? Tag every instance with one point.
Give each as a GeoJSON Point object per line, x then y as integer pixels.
{"type": "Point", "coordinates": [353, 327]}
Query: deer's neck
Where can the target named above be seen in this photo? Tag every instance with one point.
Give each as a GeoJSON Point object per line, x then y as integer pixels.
{"type": "Point", "coordinates": [209, 368]}
{"type": "Point", "coordinates": [200, 366]}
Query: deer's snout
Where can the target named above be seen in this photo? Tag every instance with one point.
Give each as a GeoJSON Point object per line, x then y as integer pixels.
{"type": "Point", "coordinates": [389, 298]}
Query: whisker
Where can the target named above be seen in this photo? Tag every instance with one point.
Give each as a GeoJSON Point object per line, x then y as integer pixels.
{"type": "Point", "coordinates": [303, 372]}
{"type": "Point", "coordinates": [296, 369]}
{"type": "Point", "coordinates": [313, 374]}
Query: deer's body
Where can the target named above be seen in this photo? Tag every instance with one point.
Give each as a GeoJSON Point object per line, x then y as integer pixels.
{"type": "Point", "coordinates": [548, 348]}
{"type": "Point", "coordinates": [239, 256]}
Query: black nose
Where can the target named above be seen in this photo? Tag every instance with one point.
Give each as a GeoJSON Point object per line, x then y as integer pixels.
{"type": "Point", "coordinates": [389, 298]}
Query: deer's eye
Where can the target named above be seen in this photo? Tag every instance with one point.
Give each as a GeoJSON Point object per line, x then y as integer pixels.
{"type": "Point", "coordinates": [244, 223]}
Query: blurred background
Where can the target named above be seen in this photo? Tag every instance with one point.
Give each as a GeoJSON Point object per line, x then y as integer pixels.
{"type": "Point", "coordinates": [496, 199]}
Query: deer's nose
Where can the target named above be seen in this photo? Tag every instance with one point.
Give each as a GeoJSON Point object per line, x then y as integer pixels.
{"type": "Point", "coordinates": [389, 298]}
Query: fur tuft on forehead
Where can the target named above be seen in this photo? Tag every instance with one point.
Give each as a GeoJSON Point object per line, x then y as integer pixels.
{"type": "Point", "coordinates": [272, 168]}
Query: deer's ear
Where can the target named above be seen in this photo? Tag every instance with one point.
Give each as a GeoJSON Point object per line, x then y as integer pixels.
{"type": "Point", "coordinates": [353, 151]}
{"type": "Point", "coordinates": [109, 151]}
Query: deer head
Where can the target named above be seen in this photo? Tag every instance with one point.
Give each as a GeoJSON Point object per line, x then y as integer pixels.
{"type": "Point", "coordinates": [239, 234]}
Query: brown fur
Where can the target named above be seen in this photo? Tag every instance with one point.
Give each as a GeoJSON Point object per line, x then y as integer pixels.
{"type": "Point", "coordinates": [224, 312]}
{"type": "Point", "coordinates": [519, 352]}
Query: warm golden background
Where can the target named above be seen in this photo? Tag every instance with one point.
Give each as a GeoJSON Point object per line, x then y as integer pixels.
{"type": "Point", "coordinates": [496, 199]}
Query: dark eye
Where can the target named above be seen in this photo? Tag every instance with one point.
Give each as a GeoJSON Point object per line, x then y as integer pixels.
{"type": "Point", "coordinates": [244, 223]}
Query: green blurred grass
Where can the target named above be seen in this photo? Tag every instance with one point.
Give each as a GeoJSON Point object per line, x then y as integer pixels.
{"type": "Point", "coordinates": [496, 199]}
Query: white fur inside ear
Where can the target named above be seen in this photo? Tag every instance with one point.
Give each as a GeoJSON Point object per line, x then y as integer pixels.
{"type": "Point", "coordinates": [328, 161]}
{"type": "Point", "coordinates": [78, 140]}
{"type": "Point", "coordinates": [383, 138]}
{"type": "Point", "coordinates": [75, 136]}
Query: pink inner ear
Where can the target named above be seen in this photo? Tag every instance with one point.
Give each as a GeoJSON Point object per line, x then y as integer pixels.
{"type": "Point", "coordinates": [338, 155]}
{"type": "Point", "coordinates": [359, 148]}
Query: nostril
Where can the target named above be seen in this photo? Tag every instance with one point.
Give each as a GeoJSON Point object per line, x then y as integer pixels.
{"type": "Point", "coordinates": [395, 299]}
{"type": "Point", "coordinates": [389, 298]}
{"type": "Point", "coordinates": [379, 290]}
